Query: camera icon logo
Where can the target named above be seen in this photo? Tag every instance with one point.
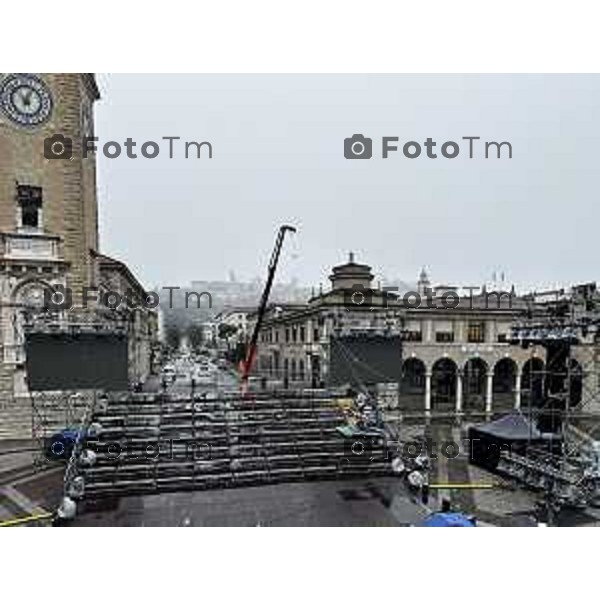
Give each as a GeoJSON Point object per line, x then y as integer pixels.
{"type": "Point", "coordinates": [58, 448]}
{"type": "Point", "coordinates": [58, 146]}
{"type": "Point", "coordinates": [359, 448]}
{"type": "Point", "coordinates": [358, 146]}
{"type": "Point", "coordinates": [358, 295]}
{"type": "Point", "coordinates": [58, 298]}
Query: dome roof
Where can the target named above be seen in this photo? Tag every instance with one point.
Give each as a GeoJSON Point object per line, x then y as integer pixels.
{"type": "Point", "coordinates": [350, 274]}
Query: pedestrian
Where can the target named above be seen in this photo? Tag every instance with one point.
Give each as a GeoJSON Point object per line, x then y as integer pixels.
{"type": "Point", "coordinates": [425, 493]}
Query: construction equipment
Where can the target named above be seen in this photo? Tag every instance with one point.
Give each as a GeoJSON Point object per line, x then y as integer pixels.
{"type": "Point", "coordinates": [262, 307]}
{"type": "Point", "coordinates": [567, 472]}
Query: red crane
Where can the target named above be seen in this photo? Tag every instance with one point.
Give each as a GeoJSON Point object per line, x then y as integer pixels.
{"type": "Point", "coordinates": [262, 307]}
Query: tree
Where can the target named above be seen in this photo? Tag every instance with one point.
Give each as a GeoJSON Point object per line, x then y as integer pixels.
{"type": "Point", "coordinates": [194, 334]}
{"type": "Point", "coordinates": [226, 330]}
{"type": "Point", "coordinates": [172, 335]}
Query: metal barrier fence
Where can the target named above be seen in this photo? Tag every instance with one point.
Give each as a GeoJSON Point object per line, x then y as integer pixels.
{"type": "Point", "coordinates": [52, 412]}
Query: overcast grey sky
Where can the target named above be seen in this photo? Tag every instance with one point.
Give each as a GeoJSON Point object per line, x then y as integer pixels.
{"type": "Point", "coordinates": [278, 157]}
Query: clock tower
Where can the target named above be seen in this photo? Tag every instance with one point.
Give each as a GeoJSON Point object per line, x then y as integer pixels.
{"type": "Point", "coordinates": [48, 198]}
{"type": "Point", "coordinates": [49, 253]}
{"type": "Point", "coordinates": [48, 213]}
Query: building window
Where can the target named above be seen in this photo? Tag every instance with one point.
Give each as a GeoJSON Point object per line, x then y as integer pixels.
{"type": "Point", "coordinates": [301, 370]}
{"type": "Point", "coordinates": [502, 338]}
{"type": "Point", "coordinates": [29, 198]}
{"type": "Point", "coordinates": [294, 334]}
{"type": "Point", "coordinates": [316, 334]}
{"type": "Point", "coordinates": [302, 334]}
{"type": "Point", "coordinates": [476, 332]}
{"type": "Point", "coordinates": [413, 336]}
{"type": "Point", "coordinates": [287, 335]}
{"type": "Point", "coordinates": [444, 337]}
{"type": "Point", "coordinates": [276, 336]}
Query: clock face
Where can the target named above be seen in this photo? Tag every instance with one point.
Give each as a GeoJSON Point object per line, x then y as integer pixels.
{"type": "Point", "coordinates": [33, 296]}
{"type": "Point", "coordinates": [25, 99]}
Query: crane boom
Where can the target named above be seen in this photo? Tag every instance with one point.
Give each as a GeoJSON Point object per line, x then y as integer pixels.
{"type": "Point", "coordinates": [262, 307]}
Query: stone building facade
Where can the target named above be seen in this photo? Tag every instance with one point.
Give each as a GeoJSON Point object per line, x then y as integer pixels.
{"type": "Point", "coordinates": [455, 358]}
{"type": "Point", "coordinates": [49, 219]}
{"type": "Point", "coordinates": [114, 277]}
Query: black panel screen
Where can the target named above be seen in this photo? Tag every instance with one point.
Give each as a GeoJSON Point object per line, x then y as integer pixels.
{"type": "Point", "coordinates": [365, 359]}
{"type": "Point", "coordinates": [81, 361]}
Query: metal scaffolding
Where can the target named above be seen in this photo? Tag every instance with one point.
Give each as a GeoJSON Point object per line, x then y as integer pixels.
{"type": "Point", "coordinates": [562, 399]}
{"type": "Point", "coordinates": [158, 443]}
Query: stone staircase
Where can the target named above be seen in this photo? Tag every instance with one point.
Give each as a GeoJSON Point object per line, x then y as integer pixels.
{"type": "Point", "coordinates": [15, 418]}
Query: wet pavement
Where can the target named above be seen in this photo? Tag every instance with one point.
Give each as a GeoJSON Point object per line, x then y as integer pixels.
{"type": "Point", "coordinates": [381, 502]}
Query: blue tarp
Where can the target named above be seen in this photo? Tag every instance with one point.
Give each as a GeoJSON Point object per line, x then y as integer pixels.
{"type": "Point", "coordinates": [447, 519]}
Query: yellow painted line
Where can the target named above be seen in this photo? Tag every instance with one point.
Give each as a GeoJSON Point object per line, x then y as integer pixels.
{"type": "Point", "coordinates": [462, 486]}
{"type": "Point", "coordinates": [23, 520]}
